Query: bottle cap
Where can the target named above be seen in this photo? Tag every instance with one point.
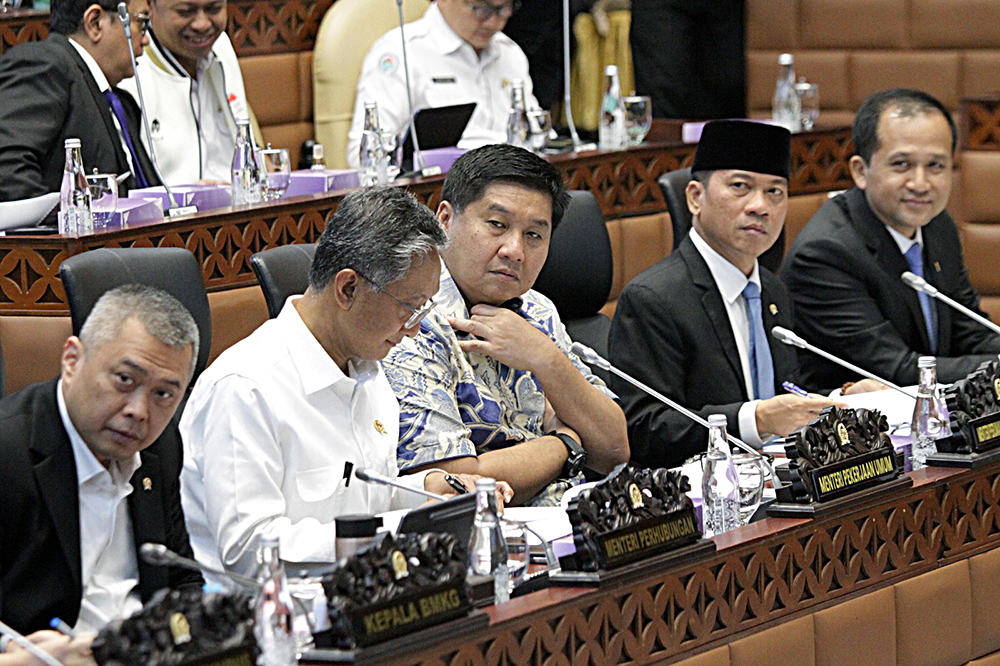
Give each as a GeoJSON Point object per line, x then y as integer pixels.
{"type": "Point", "coordinates": [717, 420]}
{"type": "Point", "coordinates": [357, 526]}
{"type": "Point", "coordinates": [486, 483]}
{"type": "Point", "coordinates": [611, 70]}
{"type": "Point", "coordinates": [371, 104]}
{"type": "Point", "coordinates": [786, 59]}
{"type": "Point", "coordinates": [927, 362]}
{"type": "Point", "coordinates": [242, 119]}
{"type": "Point", "coordinates": [317, 151]}
{"type": "Point", "coordinates": [72, 143]}
{"type": "Point", "coordinates": [269, 541]}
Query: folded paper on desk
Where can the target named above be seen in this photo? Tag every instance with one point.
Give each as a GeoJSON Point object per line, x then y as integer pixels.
{"type": "Point", "coordinates": [26, 212]}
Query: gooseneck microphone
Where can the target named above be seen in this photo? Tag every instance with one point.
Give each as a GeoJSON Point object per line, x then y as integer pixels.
{"type": "Point", "coordinates": [126, 22]}
{"type": "Point", "coordinates": [160, 555]}
{"type": "Point", "coordinates": [782, 334]}
{"type": "Point", "coordinates": [567, 88]}
{"type": "Point", "coordinates": [918, 283]}
{"type": "Point", "coordinates": [371, 476]}
{"type": "Point", "coordinates": [592, 357]}
{"type": "Point", "coordinates": [418, 157]}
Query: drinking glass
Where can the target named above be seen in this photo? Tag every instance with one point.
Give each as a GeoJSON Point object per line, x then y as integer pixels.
{"type": "Point", "coordinates": [393, 154]}
{"type": "Point", "coordinates": [809, 100]}
{"type": "Point", "coordinates": [103, 189]}
{"type": "Point", "coordinates": [540, 127]}
{"type": "Point", "coordinates": [750, 477]}
{"type": "Point", "coordinates": [9, 5]}
{"type": "Point", "coordinates": [277, 172]}
{"type": "Point", "coordinates": [638, 118]}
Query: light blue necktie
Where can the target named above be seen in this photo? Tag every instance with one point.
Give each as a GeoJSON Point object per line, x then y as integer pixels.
{"type": "Point", "coordinates": [915, 261]}
{"type": "Point", "coordinates": [761, 366]}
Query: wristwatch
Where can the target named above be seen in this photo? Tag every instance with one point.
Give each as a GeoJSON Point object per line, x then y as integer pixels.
{"type": "Point", "coordinates": [577, 457]}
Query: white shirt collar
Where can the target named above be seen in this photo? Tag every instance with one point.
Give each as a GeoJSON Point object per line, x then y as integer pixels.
{"type": "Point", "coordinates": [729, 279]}
{"type": "Point", "coordinates": [315, 367]}
{"type": "Point", "coordinates": [449, 41]}
{"type": "Point", "coordinates": [87, 464]}
{"type": "Point", "coordinates": [95, 69]}
{"type": "Point", "coordinates": [905, 243]}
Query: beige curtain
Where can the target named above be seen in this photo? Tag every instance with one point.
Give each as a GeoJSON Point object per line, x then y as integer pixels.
{"type": "Point", "coordinates": [593, 53]}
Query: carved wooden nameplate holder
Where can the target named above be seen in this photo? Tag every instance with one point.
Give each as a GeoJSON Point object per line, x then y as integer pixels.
{"type": "Point", "coordinates": [974, 416]}
{"type": "Point", "coordinates": [386, 596]}
{"type": "Point", "coordinates": [633, 518]}
{"type": "Point", "coordinates": [841, 457]}
{"type": "Point", "coordinates": [182, 628]}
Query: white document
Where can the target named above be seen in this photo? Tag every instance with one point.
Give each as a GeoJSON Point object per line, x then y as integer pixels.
{"type": "Point", "coordinates": [26, 212]}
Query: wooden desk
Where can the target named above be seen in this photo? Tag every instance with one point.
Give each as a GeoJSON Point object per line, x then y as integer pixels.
{"type": "Point", "coordinates": [762, 575]}
{"type": "Point", "coordinates": [624, 183]}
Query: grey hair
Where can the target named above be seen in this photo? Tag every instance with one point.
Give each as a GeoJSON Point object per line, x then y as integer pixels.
{"type": "Point", "coordinates": [377, 231]}
{"type": "Point", "coordinates": [163, 316]}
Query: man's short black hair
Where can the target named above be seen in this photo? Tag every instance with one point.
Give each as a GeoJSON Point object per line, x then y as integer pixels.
{"type": "Point", "coordinates": [476, 170]}
{"type": "Point", "coordinates": [908, 102]}
{"type": "Point", "coordinates": [66, 16]}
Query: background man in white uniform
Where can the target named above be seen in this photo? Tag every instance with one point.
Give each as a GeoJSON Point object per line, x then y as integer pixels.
{"type": "Point", "coordinates": [457, 55]}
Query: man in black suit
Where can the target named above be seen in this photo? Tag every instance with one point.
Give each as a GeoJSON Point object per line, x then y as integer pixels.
{"type": "Point", "coordinates": [89, 467]}
{"type": "Point", "coordinates": [63, 88]}
{"type": "Point", "coordinates": [695, 326]}
{"type": "Point", "coordinates": [843, 271]}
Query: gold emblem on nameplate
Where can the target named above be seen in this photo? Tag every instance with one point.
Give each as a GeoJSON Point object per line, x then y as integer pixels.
{"type": "Point", "coordinates": [147, 483]}
{"type": "Point", "coordinates": [996, 387]}
{"type": "Point", "coordinates": [773, 308]}
{"type": "Point", "coordinates": [399, 565]}
{"type": "Point", "coordinates": [379, 427]}
{"type": "Point", "coordinates": [180, 628]}
{"type": "Point", "coordinates": [635, 496]}
{"type": "Point", "coordinates": [845, 439]}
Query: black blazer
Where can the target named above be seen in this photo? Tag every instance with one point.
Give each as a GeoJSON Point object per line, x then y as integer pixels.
{"type": "Point", "coordinates": [843, 275]}
{"type": "Point", "coordinates": [671, 330]}
{"type": "Point", "coordinates": [40, 575]}
{"type": "Point", "coordinates": [49, 95]}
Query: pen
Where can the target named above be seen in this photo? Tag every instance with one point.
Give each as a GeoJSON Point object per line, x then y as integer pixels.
{"type": "Point", "coordinates": [62, 627]}
{"type": "Point", "coordinates": [455, 483]}
{"type": "Point", "coordinates": [792, 388]}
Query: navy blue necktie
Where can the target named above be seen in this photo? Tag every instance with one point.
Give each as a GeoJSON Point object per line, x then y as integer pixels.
{"type": "Point", "coordinates": [761, 365]}
{"type": "Point", "coordinates": [915, 260]}
{"type": "Point", "coordinates": [119, 111]}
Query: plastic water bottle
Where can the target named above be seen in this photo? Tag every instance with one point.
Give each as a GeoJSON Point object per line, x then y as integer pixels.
{"type": "Point", "coordinates": [373, 158]}
{"type": "Point", "coordinates": [929, 420]}
{"type": "Point", "coordinates": [720, 509]}
{"type": "Point", "coordinates": [247, 171]}
{"type": "Point", "coordinates": [274, 617]}
{"type": "Point", "coordinates": [489, 548]}
{"type": "Point", "coordinates": [786, 109]}
{"type": "Point", "coordinates": [611, 131]}
{"type": "Point", "coordinates": [74, 197]}
{"type": "Point", "coordinates": [318, 162]}
{"type": "Point", "coordinates": [518, 127]}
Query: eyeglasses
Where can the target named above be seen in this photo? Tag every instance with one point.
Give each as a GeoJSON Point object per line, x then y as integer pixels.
{"type": "Point", "coordinates": [141, 20]}
{"type": "Point", "coordinates": [484, 12]}
{"type": "Point", "coordinates": [416, 314]}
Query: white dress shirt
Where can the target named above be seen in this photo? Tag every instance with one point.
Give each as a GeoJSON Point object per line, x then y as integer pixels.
{"type": "Point", "coordinates": [103, 85]}
{"type": "Point", "coordinates": [905, 243]}
{"type": "Point", "coordinates": [212, 118]}
{"type": "Point", "coordinates": [444, 70]}
{"type": "Point", "coordinates": [731, 282]}
{"type": "Point", "coordinates": [272, 431]}
{"type": "Point", "coordinates": [110, 572]}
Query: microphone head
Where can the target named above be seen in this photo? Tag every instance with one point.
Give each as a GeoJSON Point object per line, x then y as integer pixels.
{"type": "Point", "coordinates": [123, 12]}
{"type": "Point", "coordinates": [155, 553]}
{"type": "Point", "coordinates": [367, 475]}
{"type": "Point", "coordinates": [590, 356]}
{"type": "Point", "coordinates": [782, 334]}
{"type": "Point", "coordinates": [919, 283]}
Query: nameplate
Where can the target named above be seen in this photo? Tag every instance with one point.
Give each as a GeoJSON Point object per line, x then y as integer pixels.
{"type": "Point", "coordinates": [238, 657]}
{"type": "Point", "coordinates": [648, 538]}
{"type": "Point", "coordinates": [854, 474]}
{"type": "Point", "coordinates": [410, 612]}
{"type": "Point", "coordinates": [986, 432]}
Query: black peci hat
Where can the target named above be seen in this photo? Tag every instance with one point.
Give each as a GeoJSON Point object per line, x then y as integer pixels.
{"type": "Point", "coordinates": [744, 145]}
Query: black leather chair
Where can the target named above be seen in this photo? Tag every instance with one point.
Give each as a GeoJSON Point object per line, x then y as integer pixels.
{"type": "Point", "coordinates": [175, 270]}
{"type": "Point", "coordinates": [282, 272]}
{"type": "Point", "coordinates": [578, 273]}
{"type": "Point", "coordinates": [674, 186]}
{"type": "Point", "coordinates": [3, 387]}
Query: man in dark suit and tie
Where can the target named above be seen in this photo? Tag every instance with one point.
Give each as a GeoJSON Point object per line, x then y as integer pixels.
{"type": "Point", "coordinates": [696, 326]}
{"type": "Point", "coordinates": [64, 87]}
{"type": "Point", "coordinates": [89, 467]}
{"type": "Point", "coordinates": [843, 270]}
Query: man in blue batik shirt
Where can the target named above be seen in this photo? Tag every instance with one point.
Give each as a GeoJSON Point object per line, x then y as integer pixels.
{"type": "Point", "coordinates": [489, 385]}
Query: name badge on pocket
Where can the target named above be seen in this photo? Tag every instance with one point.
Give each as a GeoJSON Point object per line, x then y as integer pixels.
{"type": "Point", "coordinates": [442, 79]}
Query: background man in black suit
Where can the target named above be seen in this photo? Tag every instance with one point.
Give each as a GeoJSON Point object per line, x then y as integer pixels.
{"type": "Point", "coordinates": [686, 326]}
{"type": "Point", "coordinates": [57, 89]}
{"type": "Point", "coordinates": [86, 477]}
{"type": "Point", "coordinates": [843, 269]}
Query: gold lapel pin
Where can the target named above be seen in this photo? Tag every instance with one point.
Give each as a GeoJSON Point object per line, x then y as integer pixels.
{"type": "Point", "coordinates": [773, 308]}
{"type": "Point", "coordinates": [937, 267]}
{"type": "Point", "coordinates": [147, 483]}
{"type": "Point", "coordinates": [379, 427]}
